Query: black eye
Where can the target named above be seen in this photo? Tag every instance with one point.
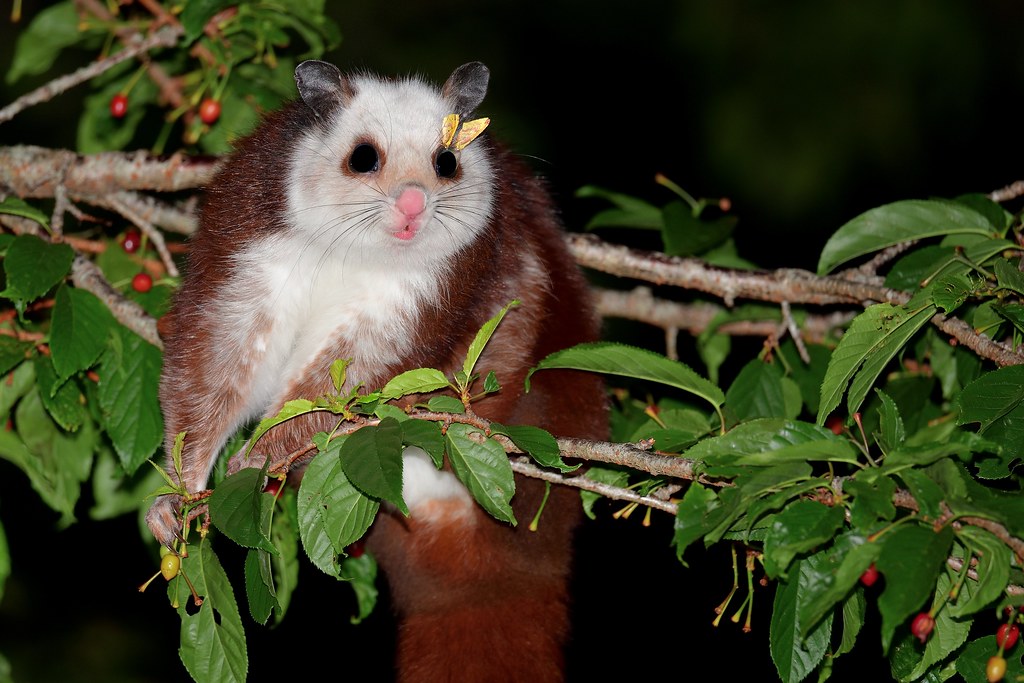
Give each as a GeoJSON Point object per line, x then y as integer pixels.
{"type": "Point", "coordinates": [446, 164]}
{"type": "Point", "coordinates": [364, 159]}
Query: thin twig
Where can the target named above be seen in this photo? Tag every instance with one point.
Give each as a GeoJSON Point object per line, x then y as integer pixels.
{"type": "Point", "coordinates": [165, 37]}
{"type": "Point", "coordinates": [524, 467]}
{"type": "Point", "coordinates": [1005, 194]}
{"type": "Point", "coordinates": [156, 237]}
{"type": "Point", "coordinates": [86, 275]}
{"type": "Point", "coordinates": [794, 332]}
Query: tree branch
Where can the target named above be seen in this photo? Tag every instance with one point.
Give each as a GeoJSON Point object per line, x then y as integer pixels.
{"type": "Point", "coordinates": [165, 37]}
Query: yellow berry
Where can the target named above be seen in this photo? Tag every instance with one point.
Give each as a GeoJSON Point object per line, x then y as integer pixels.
{"type": "Point", "coordinates": [169, 566]}
{"type": "Point", "coordinates": [996, 669]}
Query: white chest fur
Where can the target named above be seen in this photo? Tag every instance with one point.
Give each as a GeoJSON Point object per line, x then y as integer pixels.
{"type": "Point", "coordinates": [306, 301]}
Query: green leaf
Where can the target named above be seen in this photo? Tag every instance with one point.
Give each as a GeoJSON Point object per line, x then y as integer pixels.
{"type": "Point", "coordinates": [951, 291]}
{"type": "Point", "coordinates": [53, 29]}
{"type": "Point", "coordinates": [371, 458]}
{"type": "Point", "coordinates": [13, 352]}
{"type": "Point", "coordinates": [871, 341]}
{"type": "Point", "coordinates": [212, 639]}
{"type": "Point", "coordinates": [606, 475]}
{"type": "Point", "coordinates": [947, 637]}
{"type": "Point", "coordinates": [687, 235]}
{"type": "Point", "coordinates": [484, 469]}
{"type": "Point", "coordinates": [482, 337]}
{"type": "Point", "coordinates": [993, 570]}
{"type": "Point", "coordinates": [332, 512]}
{"type": "Point", "coordinates": [800, 527]}
{"type": "Point", "coordinates": [18, 207]}
{"type": "Point", "coordinates": [426, 435]}
{"type": "Point", "coordinates": [842, 565]}
{"type": "Point", "coordinates": [540, 444]}
{"type": "Point", "coordinates": [129, 379]}
{"type": "Point", "coordinates": [695, 516]}
{"type": "Point", "coordinates": [361, 574]}
{"type": "Point", "coordinates": [910, 270]}
{"type": "Point", "coordinates": [15, 385]}
{"type": "Point", "coordinates": [491, 384]}
{"type": "Point", "coordinates": [1013, 313]}
{"type": "Point", "coordinates": [994, 398]}
{"type": "Point", "coordinates": [197, 13]}
{"type": "Point", "coordinates": [901, 221]}
{"type": "Point", "coordinates": [796, 656]}
{"type": "Point", "coordinates": [290, 409]}
{"type": "Point", "coordinates": [98, 131]}
{"type": "Point", "coordinates": [750, 484]}
{"type": "Point", "coordinates": [5, 561]}
{"type": "Point", "coordinates": [445, 404]}
{"type": "Point", "coordinates": [972, 660]}
{"type": "Point", "coordinates": [629, 361]}
{"type": "Point", "coordinates": [926, 492]}
{"type": "Point", "coordinates": [757, 392]}
{"type": "Point", "coordinates": [56, 462]}
{"type": "Point", "coordinates": [79, 330]}
{"type": "Point", "coordinates": [872, 498]}
{"type": "Point", "coordinates": [33, 266]}
{"type": "Point", "coordinates": [259, 585]}
{"type": "Point", "coordinates": [420, 381]}
{"type": "Point", "coordinates": [238, 507]}
{"type": "Point", "coordinates": [854, 609]}
{"type": "Point", "coordinates": [339, 368]}
{"type": "Point", "coordinates": [113, 493]}
{"type": "Point", "coordinates": [1009, 276]}
{"type": "Point", "coordinates": [893, 434]}
{"type": "Point", "coordinates": [770, 441]}
{"type": "Point", "coordinates": [284, 534]}
{"type": "Point", "coordinates": [912, 558]}
{"type": "Point", "coordinates": [630, 212]}
{"type": "Point", "coordinates": [63, 400]}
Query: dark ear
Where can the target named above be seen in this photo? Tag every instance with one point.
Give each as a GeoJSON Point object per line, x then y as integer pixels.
{"type": "Point", "coordinates": [466, 87]}
{"type": "Point", "coordinates": [322, 87]}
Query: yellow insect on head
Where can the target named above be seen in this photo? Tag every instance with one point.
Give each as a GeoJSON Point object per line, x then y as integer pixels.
{"type": "Point", "coordinates": [456, 136]}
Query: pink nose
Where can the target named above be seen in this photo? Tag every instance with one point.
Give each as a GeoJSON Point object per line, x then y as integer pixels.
{"type": "Point", "coordinates": [411, 202]}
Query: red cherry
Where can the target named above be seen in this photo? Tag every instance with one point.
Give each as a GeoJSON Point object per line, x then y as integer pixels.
{"type": "Point", "coordinates": [1006, 636]}
{"type": "Point", "coordinates": [922, 626]}
{"type": "Point", "coordinates": [356, 549]}
{"type": "Point", "coordinates": [142, 282]}
{"type": "Point", "coordinates": [119, 105]}
{"type": "Point", "coordinates": [272, 487]}
{"type": "Point", "coordinates": [835, 423]}
{"type": "Point", "coordinates": [131, 241]}
{"type": "Point", "coordinates": [870, 575]}
{"type": "Point", "coordinates": [209, 111]}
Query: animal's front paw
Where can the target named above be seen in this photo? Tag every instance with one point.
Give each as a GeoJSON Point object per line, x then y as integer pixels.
{"type": "Point", "coordinates": [164, 519]}
{"type": "Point", "coordinates": [241, 461]}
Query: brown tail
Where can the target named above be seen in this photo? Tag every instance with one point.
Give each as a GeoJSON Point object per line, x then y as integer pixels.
{"type": "Point", "coordinates": [478, 600]}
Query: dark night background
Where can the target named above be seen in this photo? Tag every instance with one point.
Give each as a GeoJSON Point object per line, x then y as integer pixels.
{"type": "Point", "coordinates": [803, 113]}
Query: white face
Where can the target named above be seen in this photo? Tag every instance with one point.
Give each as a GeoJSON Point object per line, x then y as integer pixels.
{"type": "Point", "coordinates": [373, 190]}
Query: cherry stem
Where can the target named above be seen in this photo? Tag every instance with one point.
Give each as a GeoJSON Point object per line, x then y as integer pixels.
{"type": "Point", "coordinates": [720, 610]}
{"type": "Point", "coordinates": [535, 522]}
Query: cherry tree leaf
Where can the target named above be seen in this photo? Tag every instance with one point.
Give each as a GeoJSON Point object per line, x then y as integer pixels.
{"type": "Point", "coordinates": [371, 458]}
{"type": "Point", "coordinates": [872, 340]}
{"type": "Point", "coordinates": [483, 467]}
{"type": "Point", "coordinates": [129, 377]}
{"type": "Point", "coordinates": [898, 222]}
{"type": "Point", "coordinates": [80, 326]}
{"type": "Point", "coordinates": [629, 361]}
{"type": "Point", "coordinates": [213, 646]}
{"type": "Point", "coordinates": [419, 381]}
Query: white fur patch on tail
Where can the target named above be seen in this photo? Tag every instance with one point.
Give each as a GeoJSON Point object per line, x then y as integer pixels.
{"type": "Point", "coordinates": [424, 484]}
